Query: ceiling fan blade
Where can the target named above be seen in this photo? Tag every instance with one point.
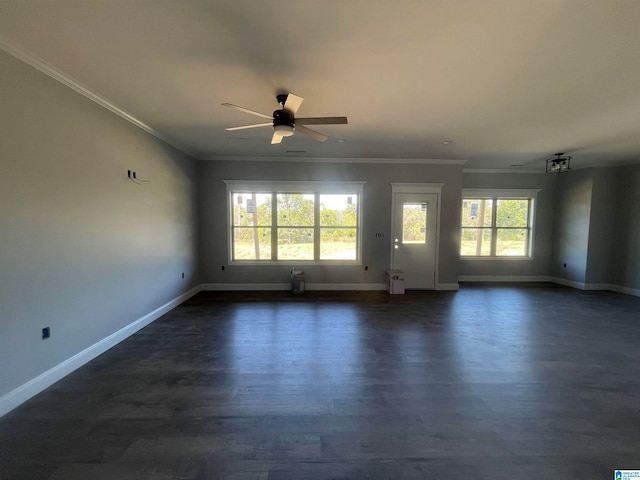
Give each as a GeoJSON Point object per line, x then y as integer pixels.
{"type": "Point", "coordinates": [270, 124]}
{"type": "Point", "coordinates": [321, 121]}
{"type": "Point", "coordinates": [312, 133]}
{"type": "Point", "coordinates": [293, 103]}
{"type": "Point", "coordinates": [276, 138]}
{"type": "Point", "coordinates": [246, 110]}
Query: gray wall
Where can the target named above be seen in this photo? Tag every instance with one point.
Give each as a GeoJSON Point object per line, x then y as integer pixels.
{"type": "Point", "coordinates": [538, 265]}
{"type": "Point", "coordinates": [597, 227]}
{"type": "Point", "coordinates": [376, 217]}
{"type": "Point", "coordinates": [571, 225]}
{"type": "Point", "coordinates": [602, 226]}
{"type": "Point", "coordinates": [626, 240]}
{"type": "Point", "coordinates": [83, 250]}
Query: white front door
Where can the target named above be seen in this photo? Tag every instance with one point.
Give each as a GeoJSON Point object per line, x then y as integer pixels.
{"type": "Point", "coordinates": [414, 238]}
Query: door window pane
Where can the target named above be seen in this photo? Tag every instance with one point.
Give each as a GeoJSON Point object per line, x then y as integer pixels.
{"type": "Point", "coordinates": [414, 222]}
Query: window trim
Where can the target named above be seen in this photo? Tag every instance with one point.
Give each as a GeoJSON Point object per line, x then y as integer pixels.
{"type": "Point", "coordinates": [303, 187]}
{"type": "Point", "coordinates": [506, 194]}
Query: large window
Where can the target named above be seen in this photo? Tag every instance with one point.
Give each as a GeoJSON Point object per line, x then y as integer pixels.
{"type": "Point", "coordinates": [294, 221]}
{"type": "Point", "coordinates": [497, 223]}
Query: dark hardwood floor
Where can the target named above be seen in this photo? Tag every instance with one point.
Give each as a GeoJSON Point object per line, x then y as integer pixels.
{"type": "Point", "coordinates": [491, 382]}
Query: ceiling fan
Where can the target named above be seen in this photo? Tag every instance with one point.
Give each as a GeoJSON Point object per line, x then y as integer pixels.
{"type": "Point", "coordinates": [284, 121]}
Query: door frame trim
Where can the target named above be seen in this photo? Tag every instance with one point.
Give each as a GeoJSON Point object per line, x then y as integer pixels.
{"type": "Point", "coordinates": [424, 188]}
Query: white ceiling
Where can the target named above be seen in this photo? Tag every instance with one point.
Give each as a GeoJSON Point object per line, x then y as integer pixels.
{"type": "Point", "coordinates": [509, 81]}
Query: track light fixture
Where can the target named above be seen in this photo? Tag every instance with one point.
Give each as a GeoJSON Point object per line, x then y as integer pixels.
{"type": "Point", "coordinates": [559, 163]}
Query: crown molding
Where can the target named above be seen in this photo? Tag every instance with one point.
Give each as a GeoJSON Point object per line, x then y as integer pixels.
{"type": "Point", "coordinates": [422, 161]}
{"type": "Point", "coordinates": [38, 63]}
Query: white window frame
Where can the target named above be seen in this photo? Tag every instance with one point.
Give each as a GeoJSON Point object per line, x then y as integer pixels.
{"type": "Point", "coordinates": [312, 187]}
{"type": "Point", "coordinates": [504, 194]}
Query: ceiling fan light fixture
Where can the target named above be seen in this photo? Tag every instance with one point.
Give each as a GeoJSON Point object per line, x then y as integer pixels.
{"type": "Point", "coordinates": [283, 130]}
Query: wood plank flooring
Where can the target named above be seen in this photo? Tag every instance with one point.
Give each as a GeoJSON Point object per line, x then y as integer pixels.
{"type": "Point", "coordinates": [491, 382]}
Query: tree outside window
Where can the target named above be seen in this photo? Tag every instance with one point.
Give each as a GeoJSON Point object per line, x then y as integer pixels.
{"type": "Point", "coordinates": [294, 226]}
{"type": "Point", "coordinates": [496, 227]}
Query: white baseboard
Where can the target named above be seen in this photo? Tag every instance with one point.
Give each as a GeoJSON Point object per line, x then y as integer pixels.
{"type": "Point", "coordinates": [345, 286]}
{"type": "Point", "coordinates": [568, 283]}
{"type": "Point", "coordinates": [230, 287]}
{"type": "Point", "coordinates": [629, 291]}
{"type": "Point", "coordinates": [504, 278]}
{"type": "Point", "coordinates": [36, 385]}
{"type": "Point", "coordinates": [241, 287]}
{"type": "Point", "coordinates": [598, 286]}
{"type": "Point", "coordinates": [558, 280]}
{"type": "Point", "coordinates": [581, 285]}
{"type": "Point", "coordinates": [226, 287]}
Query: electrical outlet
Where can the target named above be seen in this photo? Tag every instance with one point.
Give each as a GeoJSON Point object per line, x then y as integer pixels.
{"type": "Point", "coordinates": [223, 268]}
{"type": "Point", "coordinates": [46, 332]}
{"type": "Point", "coordinates": [182, 274]}
{"type": "Point", "coordinates": [564, 265]}
{"type": "Point", "coordinates": [366, 267]}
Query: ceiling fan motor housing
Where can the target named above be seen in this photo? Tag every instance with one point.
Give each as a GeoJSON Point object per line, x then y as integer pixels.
{"type": "Point", "coordinates": [283, 117]}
